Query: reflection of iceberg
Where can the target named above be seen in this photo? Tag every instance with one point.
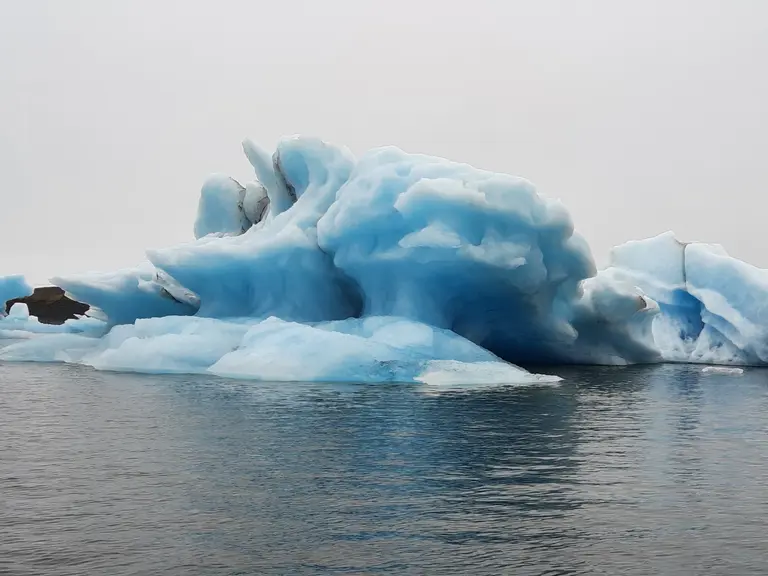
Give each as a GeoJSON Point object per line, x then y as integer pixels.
{"type": "Point", "coordinates": [393, 266]}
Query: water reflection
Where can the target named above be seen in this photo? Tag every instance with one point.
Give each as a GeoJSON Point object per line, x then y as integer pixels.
{"type": "Point", "coordinates": [384, 466]}
{"type": "Point", "coordinates": [626, 470]}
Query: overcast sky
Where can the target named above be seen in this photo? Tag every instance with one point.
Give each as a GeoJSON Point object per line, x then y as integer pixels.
{"type": "Point", "coordinates": [641, 116]}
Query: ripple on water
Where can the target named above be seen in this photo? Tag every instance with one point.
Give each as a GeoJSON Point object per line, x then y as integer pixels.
{"type": "Point", "coordinates": [642, 470]}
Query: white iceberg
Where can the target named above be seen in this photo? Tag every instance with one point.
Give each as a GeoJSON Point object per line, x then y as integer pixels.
{"type": "Point", "coordinates": [725, 370]}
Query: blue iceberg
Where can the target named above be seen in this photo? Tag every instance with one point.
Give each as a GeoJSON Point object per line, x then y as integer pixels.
{"type": "Point", "coordinates": [397, 267]}
{"type": "Point", "coordinates": [713, 308]}
{"type": "Point", "coordinates": [124, 296]}
{"type": "Point", "coordinates": [12, 287]}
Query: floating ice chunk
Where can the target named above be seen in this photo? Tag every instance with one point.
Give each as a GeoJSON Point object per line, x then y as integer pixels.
{"type": "Point", "coordinates": [454, 373]}
{"type": "Point", "coordinates": [723, 370]}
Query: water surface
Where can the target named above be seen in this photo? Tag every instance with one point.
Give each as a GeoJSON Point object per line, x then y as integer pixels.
{"type": "Point", "coordinates": [642, 470]}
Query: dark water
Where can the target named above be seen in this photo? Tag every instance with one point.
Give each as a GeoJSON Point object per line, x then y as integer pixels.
{"type": "Point", "coordinates": [657, 470]}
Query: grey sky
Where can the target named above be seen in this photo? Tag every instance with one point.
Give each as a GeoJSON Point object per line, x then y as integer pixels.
{"type": "Point", "coordinates": [641, 116]}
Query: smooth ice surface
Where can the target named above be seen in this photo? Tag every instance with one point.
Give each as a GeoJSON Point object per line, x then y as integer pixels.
{"type": "Point", "coordinates": [405, 267]}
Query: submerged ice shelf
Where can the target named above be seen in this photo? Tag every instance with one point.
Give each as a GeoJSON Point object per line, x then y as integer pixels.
{"type": "Point", "coordinates": [400, 267]}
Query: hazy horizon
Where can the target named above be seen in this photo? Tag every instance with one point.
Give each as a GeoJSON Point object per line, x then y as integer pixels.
{"type": "Point", "coordinates": [641, 117]}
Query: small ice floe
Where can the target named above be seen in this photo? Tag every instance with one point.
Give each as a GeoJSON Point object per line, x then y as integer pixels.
{"type": "Point", "coordinates": [726, 370]}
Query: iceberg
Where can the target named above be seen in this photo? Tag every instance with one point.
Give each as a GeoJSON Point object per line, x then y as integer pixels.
{"type": "Point", "coordinates": [398, 267]}
{"type": "Point", "coordinates": [713, 308]}
{"type": "Point", "coordinates": [724, 370]}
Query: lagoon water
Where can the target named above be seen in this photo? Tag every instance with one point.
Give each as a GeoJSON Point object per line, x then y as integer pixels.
{"type": "Point", "coordinates": [641, 470]}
